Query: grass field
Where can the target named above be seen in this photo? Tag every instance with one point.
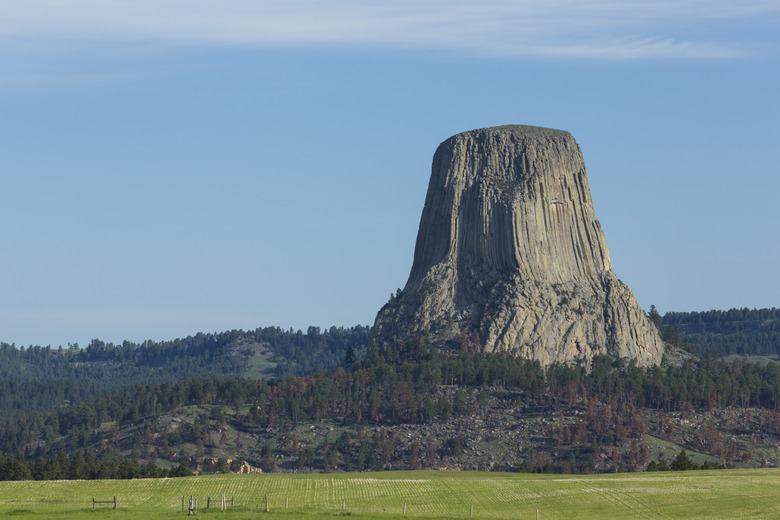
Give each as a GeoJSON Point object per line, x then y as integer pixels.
{"type": "Point", "coordinates": [725, 494]}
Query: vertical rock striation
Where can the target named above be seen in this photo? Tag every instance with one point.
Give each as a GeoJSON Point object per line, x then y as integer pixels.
{"type": "Point", "coordinates": [510, 256]}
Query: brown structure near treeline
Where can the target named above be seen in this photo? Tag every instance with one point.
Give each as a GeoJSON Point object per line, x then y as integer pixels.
{"type": "Point", "coordinates": [511, 258]}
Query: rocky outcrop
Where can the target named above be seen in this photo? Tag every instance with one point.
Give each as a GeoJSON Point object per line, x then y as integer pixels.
{"type": "Point", "coordinates": [510, 257]}
{"type": "Point", "coordinates": [216, 465]}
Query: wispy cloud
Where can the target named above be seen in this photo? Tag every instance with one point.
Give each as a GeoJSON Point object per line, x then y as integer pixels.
{"type": "Point", "coordinates": [574, 28]}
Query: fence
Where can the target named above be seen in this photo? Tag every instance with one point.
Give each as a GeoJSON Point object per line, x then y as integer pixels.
{"type": "Point", "coordinates": [222, 502]}
{"type": "Point", "coordinates": [103, 502]}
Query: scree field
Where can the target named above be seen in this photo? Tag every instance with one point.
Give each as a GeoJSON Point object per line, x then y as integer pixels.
{"type": "Point", "coordinates": [725, 494]}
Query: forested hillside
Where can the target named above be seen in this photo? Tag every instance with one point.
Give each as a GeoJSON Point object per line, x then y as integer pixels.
{"type": "Point", "coordinates": [277, 400]}
{"type": "Point", "coordinates": [41, 378]}
{"type": "Point", "coordinates": [429, 409]}
{"type": "Point", "coordinates": [736, 331]}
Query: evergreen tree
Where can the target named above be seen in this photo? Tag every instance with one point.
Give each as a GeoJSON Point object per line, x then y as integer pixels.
{"type": "Point", "coordinates": [682, 462]}
{"type": "Point", "coordinates": [655, 317]}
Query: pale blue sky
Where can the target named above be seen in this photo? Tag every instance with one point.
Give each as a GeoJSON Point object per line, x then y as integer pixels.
{"type": "Point", "coordinates": [170, 167]}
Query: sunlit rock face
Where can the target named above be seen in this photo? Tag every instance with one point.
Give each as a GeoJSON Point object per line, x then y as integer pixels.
{"type": "Point", "coordinates": [511, 258]}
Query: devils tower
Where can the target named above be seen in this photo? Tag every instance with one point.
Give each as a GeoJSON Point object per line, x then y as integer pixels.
{"type": "Point", "coordinates": [511, 258]}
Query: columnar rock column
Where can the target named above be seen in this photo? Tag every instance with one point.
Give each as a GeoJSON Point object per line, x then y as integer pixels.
{"type": "Point", "coordinates": [510, 257]}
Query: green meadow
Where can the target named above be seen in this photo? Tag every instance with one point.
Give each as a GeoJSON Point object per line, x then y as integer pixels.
{"type": "Point", "coordinates": [724, 494]}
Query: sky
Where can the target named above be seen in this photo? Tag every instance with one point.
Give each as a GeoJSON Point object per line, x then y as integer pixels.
{"type": "Point", "coordinates": [169, 167]}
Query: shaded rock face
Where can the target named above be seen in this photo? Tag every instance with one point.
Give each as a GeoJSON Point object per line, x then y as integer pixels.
{"type": "Point", "coordinates": [510, 257]}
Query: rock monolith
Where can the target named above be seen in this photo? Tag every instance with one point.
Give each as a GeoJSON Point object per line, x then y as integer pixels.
{"type": "Point", "coordinates": [511, 258]}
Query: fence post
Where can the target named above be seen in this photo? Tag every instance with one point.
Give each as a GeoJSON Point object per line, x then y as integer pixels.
{"type": "Point", "coordinates": [182, 503]}
{"type": "Point", "coordinates": [93, 503]}
{"type": "Point", "coordinates": [286, 502]}
{"type": "Point", "coordinates": [404, 507]}
{"type": "Point", "coordinates": [266, 502]}
{"type": "Point", "coordinates": [471, 510]}
{"type": "Point", "coordinates": [114, 501]}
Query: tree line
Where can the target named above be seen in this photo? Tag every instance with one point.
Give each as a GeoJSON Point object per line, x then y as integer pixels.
{"type": "Point", "coordinates": [39, 379]}
{"type": "Point", "coordinates": [83, 466]}
{"type": "Point", "coordinates": [723, 333]}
